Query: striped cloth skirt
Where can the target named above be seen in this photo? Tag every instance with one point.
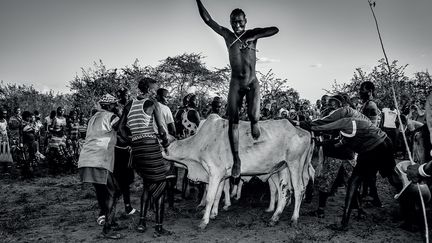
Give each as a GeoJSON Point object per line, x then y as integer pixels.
{"type": "Point", "coordinates": [149, 164]}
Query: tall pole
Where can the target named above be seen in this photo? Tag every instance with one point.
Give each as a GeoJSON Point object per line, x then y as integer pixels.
{"type": "Point", "coordinates": [389, 79]}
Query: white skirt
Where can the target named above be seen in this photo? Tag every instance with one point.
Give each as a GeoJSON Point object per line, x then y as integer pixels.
{"type": "Point", "coordinates": [5, 153]}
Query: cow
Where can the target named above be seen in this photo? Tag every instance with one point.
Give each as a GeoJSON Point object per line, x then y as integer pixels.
{"type": "Point", "coordinates": [273, 182]}
{"type": "Point", "coordinates": [208, 158]}
{"type": "Point", "coordinates": [276, 194]}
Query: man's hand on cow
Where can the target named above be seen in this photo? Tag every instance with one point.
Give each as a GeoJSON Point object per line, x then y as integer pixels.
{"type": "Point", "coordinates": [413, 173]}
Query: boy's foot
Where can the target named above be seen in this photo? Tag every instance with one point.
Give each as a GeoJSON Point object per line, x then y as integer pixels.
{"type": "Point", "coordinates": [141, 227]}
{"type": "Point", "coordinates": [255, 131]}
{"type": "Point", "coordinates": [130, 210]}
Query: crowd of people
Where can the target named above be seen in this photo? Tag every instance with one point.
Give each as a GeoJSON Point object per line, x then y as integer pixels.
{"type": "Point", "coordinates": [26, 139]}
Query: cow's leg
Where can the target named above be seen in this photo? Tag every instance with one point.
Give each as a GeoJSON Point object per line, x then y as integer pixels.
{"type": "Point", "coordinates": [282, 189]}
{"type": "Point", "coordinates": [203, 199]}
{"type": "Point", "coordinates": [234, 190]}
{"type": "Point", "coordinates": [227, 202]}
{"type": "Point", "coordinates": [214, 181]}
{"type": "Point", "coordinates": [215, 208]}
{"type": "Point", "coordinates": [273, 191]}
{"type": "Point", "coordinates": [239, 190]}
{"type": "Point", "coordinates": [298, 189]}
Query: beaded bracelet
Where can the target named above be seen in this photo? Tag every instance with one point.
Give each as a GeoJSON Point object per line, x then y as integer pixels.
{"type": "Point", "coordinates": [422, 172]}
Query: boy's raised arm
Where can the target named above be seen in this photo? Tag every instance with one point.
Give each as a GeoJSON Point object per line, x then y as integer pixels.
{"type": "Point", "coordinates": [210, 22]}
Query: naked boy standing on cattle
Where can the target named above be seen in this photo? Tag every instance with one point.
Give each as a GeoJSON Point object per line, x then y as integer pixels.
{"type": "Point", "coordinates": [242, 50]}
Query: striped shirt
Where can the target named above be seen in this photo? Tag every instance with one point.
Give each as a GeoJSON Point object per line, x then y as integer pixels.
{"type": "Point", "coordinates": [139, 122]}
{"type": "Point", "coordinates": [74, 130]}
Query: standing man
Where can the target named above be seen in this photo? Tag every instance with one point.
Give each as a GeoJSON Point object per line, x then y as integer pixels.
{"type": "Point", "coordinates": [370, 109]}
{"type": "Point", "coordinates": [242, 50]}
{"type": "Point", "coordinates": [167, 117]}
{"type": "Point", "coordinates": [389, 124]}
{"type": "Point", "coordinates": [167, 123]}
{"type": "Point", "coordinates": [123, 173]}
{"type": "Point", "coordinates": [136, 123]}
{"type": "Point", "coordinates": [96, 163]}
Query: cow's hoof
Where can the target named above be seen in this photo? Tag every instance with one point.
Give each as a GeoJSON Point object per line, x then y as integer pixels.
{"type": "Point", "coordinates": [226, 208]}
{"type": "Point", "coordinates": [272, 223]}
{"type": "Point", "coordinates": [237, 198]}
{"type": "Point", "coordinates": [294, 223]}
{"type": "Point", "coordinates": [269, 210]}
{"type": "Point", "coordinates": [202, 226]}
{"type": "Point", "coordinates": [213, 215]}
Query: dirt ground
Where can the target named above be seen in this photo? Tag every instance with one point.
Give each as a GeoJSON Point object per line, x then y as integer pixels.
{"type": "Point", "coordinates": [61, 209]}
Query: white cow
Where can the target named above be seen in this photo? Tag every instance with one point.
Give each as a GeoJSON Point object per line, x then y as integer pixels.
{"type": "Point", "coordinates": [279, 178]}
{"type": "Point", "coordinates": [208, 158]}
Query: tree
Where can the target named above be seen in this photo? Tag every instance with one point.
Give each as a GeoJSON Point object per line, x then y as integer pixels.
{"type": "Point", "coordinates": [276, 90]}
{"type": "Point", "coordinates": [28, 98]}
{"type": "Point", "coordinates": [406, 88]}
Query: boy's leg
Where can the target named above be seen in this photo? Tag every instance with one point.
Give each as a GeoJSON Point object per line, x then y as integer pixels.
{"type": "Point", "coordinates": [101, 196]}
{"type": "Point", "coordinates": [145, 200]}
{"type": "Point", "coordinates": [114, 193]}
{"type": "Point", "coordinates": [234, 102]}
{"type": "Point", "coordinates": [253, 103]}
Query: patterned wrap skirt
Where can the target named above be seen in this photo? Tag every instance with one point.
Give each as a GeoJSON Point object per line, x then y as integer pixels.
{"type": "Point", "coordinates": [149, 164]}
{"type": "Point", "coordinates": [332, 168]}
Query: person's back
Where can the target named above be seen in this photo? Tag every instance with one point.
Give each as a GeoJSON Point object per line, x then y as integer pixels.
{"type": "Point", "coordinates": [100, 138]}
{"type": "Point", "coordinates": [139, 122]}
{"type": "Point", "coordinates": [359, 133]}
{"type": "Point", "coordinates": [390, 116]}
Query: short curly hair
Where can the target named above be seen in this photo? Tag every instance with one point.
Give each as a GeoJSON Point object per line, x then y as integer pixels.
{"type": "Point", "coordinates": [236, 12]}
{"type": "Point", "coordinates": [144, 84]}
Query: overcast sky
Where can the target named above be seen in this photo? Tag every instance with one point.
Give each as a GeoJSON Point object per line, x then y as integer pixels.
{"type": "Point", "coordinates": [46, 42]}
